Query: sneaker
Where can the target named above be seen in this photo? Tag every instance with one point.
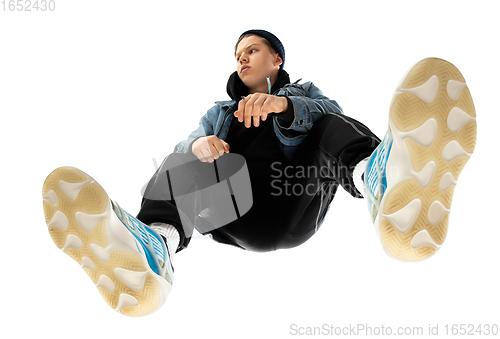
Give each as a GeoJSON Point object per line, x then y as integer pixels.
{"type": "Point", "coordinates": [127, 261]}
{"type": "Point", "coordinates": [411, 176]}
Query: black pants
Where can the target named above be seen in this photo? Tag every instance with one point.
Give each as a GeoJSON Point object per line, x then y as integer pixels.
{"type": "Point", "coordinates": [325, 160]}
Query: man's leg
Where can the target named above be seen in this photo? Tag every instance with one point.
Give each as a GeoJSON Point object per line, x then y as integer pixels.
{"type": "Point", "coordinates": [158, 205]}
{"type": "Point", "coordinates": [343, 143]}
{"type": "Point", "coordinates": [326, 159]}
{"type": "Point", "coordinates": [186, 193]}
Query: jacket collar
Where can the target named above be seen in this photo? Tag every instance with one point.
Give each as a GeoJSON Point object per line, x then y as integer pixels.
{"type": "Point", "coordinates": [226, 103]}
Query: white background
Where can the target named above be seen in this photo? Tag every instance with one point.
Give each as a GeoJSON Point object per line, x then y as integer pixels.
{"type": "Point", "coordinates": [108, 86]}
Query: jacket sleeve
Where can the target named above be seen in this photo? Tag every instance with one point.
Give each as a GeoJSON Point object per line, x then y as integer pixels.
{"type": "Point", "coordinates": [309, 104]}
{"type": "Point", "coordinates": [205, 128]}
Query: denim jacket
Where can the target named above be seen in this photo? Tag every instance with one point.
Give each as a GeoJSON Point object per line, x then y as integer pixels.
{"type": "Point", "coordinates": [309, 104]}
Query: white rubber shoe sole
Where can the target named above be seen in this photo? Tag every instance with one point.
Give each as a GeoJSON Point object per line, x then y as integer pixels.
{"type": "Point", "coordinates": [433, 123]}
{"type": "Point", "coordinates": [82, 224]}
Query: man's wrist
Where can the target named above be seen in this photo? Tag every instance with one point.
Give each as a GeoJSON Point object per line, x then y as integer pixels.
{"type": "Point", "coordinates": [285, 104]}
{"type": "Point", "coordinates": [287, 115]}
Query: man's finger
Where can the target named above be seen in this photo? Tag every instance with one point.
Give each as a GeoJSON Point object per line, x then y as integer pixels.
{"type": "Point", "coordinates": [241, 109]}
{"type": "Point", "coordinates": [258, 109]}
{"type": "Point", "coordinates": [202, 156]}
{"type": "Point", "coordinates": [226, 145]}
{"type": "Point", "coordinates": [215, 150]}
{"type": "Point", "coordinates": [221, 147]}
{"type": "Point", "coordinates": [266, 108]}
{"type": "Point", "coordinates": [249, 108]}
{"type": "Point", "coordinates": [253, 109]}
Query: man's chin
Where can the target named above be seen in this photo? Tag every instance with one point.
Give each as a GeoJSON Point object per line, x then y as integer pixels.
{"type": "Point", "coordinates": [247, 83]}
{"type": "Point", "coordinates": [243, 78]}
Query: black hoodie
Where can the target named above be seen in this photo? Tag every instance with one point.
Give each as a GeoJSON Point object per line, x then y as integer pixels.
{"type": "Point", "coordinates": [264, 159]}
{"type": "Point", "coordinates": [239, 137]}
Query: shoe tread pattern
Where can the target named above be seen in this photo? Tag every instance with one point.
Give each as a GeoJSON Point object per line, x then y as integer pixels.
{"type": "Point", "coordinates": [93, 200]}
{"type": "Point", "coordinates": [408, 112]}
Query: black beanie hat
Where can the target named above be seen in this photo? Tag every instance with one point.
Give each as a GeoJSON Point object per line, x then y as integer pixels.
{"type": "Point", "coordinates": [273, 40]}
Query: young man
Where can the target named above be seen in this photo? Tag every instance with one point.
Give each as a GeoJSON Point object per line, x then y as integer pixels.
{"type": "Point", "coordinates": [272, 127]}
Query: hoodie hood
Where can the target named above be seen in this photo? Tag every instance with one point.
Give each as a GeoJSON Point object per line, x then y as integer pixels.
{"type": "Point", "coordinates": [236, 88]}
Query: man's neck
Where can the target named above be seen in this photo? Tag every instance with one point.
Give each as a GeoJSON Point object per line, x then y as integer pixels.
{"type": "Point", "coordinates": [264, 87]}
{"type": "Point", "coordinates": [259, 90]}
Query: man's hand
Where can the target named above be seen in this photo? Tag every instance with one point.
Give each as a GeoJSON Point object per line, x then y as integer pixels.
{"type": "Point", "coordinates": [209, 148]}
{"type": "Point", "coordinates": [259, 105]}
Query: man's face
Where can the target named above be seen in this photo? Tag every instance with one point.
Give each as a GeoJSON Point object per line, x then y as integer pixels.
{"type": "Point", "coordinates": [254, 62]}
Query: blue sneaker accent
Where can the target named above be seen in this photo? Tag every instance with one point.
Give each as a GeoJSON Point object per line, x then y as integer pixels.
{"type": "Point", "coordinates": [375, 178]}
{"type": "Point", "coordinates": [150, 241]}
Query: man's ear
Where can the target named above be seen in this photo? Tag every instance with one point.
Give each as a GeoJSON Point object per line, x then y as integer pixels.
{"type": "Point", "coordinates": [278, 60]}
